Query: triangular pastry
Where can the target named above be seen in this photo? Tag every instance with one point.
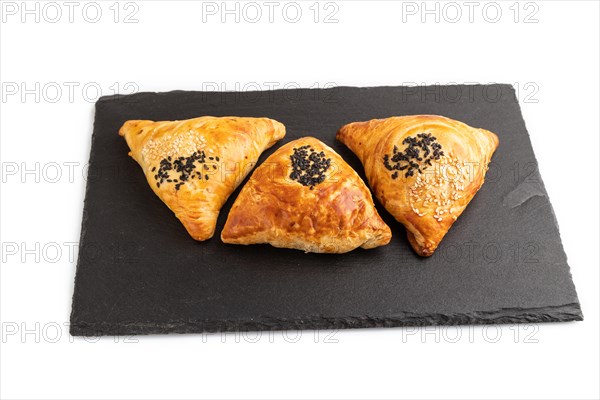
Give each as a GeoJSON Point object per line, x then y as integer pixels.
{"type": "Point", "coordinates": [194, 165]}
{"type": "Point", "coordinates": [425, 169]}
{"type": "Point", "coordinates": [305, 196]}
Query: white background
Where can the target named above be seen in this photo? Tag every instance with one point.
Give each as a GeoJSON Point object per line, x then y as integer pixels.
{"type": "Point", "coordinates": [553, 62]}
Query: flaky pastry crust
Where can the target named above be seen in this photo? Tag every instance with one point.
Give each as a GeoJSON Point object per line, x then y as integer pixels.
{"type": "Point", "coordinates": [427, 180]}
{"type": "Point", "coordinates": [194, 165]}
{"type": "Point", "coordinates": [329, 210]}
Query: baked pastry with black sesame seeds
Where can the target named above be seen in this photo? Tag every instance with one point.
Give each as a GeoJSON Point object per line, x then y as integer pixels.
{"type": "Point", "coordinates": [194, 165]}
{"type": "Point", "coordinates": [425, 169]}
{"type": "Point", "coordinates": [306, 197]}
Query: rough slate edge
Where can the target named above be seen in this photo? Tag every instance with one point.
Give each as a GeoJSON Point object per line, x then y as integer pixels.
{"type": "Point", "coordinates": [565, 313]}
{"type": "Point", "coordinates": [562, 313]}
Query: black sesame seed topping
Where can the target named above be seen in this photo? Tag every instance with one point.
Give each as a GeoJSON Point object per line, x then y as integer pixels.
{"type": "Point", "coordinates": [184, 166]}
{"type": "Point", "coordinates": [309, 166]}
{"type": "Point", "coordinates": [407, 159]}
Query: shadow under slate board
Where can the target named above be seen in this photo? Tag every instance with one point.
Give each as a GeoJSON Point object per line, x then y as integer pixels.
{"type": "Point", "coordinates": [139, 272]}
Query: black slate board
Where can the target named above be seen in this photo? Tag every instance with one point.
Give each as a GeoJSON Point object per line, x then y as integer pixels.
{"type": "Point", "coordinates": [139, 272]}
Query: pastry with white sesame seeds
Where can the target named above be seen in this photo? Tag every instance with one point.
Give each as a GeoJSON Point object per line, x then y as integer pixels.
{"type": "Point", "coordinates": [194, 165]}
{"type": "Point", "coordinates": [306, 197]}
{"type": "Point", "coordinates": [425, 169]}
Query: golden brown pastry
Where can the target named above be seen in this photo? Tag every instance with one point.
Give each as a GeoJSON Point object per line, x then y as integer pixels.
{"type": "Point", "coordinates": [305, 196]}
{"type": "Point", "coordinates": [424, 169]}
{"type": "Point", "coordinates": [194, 165]}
